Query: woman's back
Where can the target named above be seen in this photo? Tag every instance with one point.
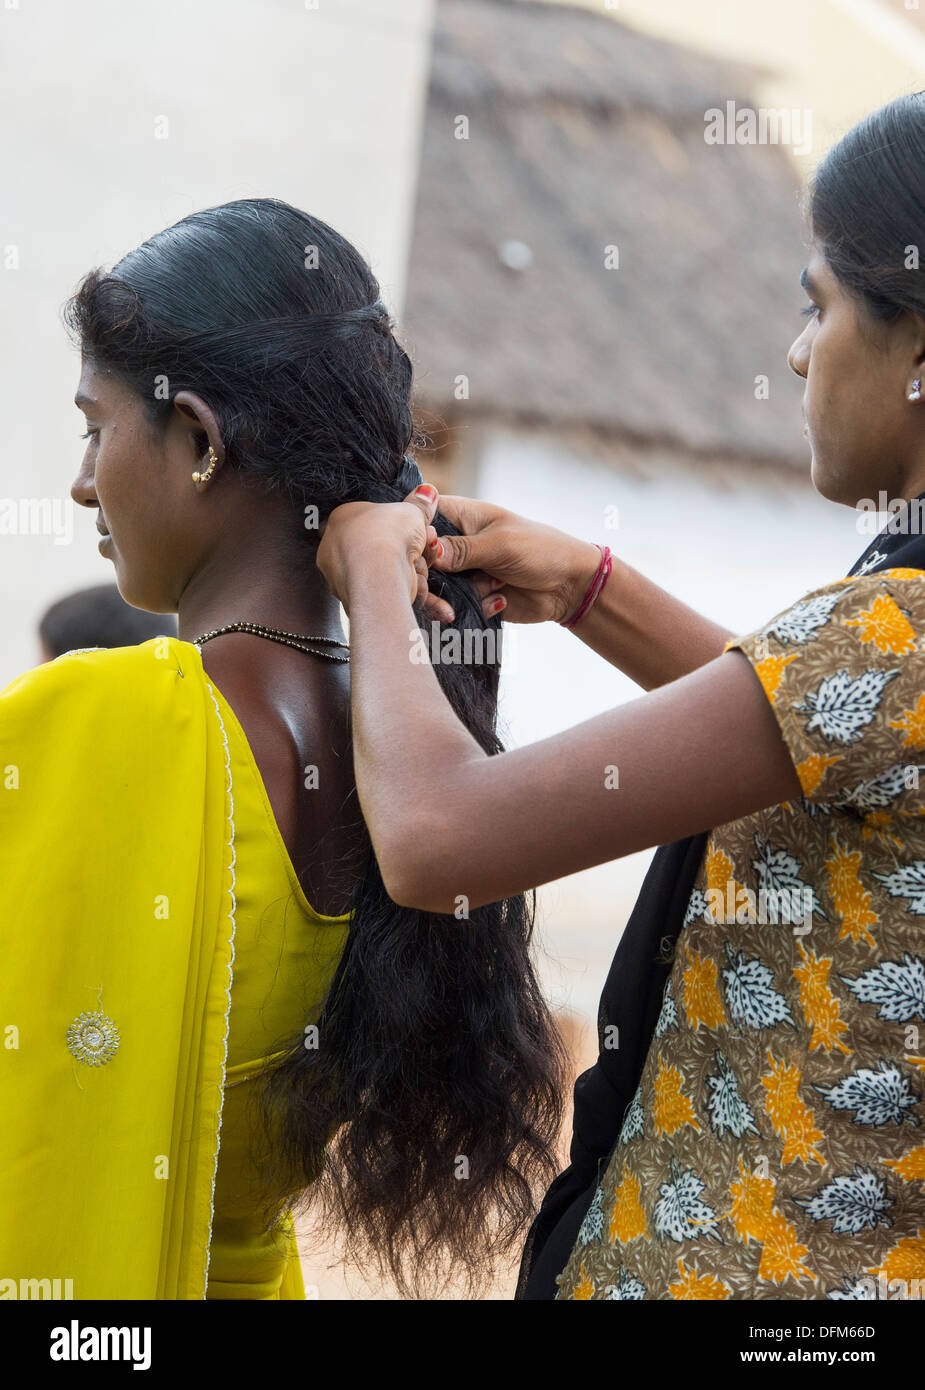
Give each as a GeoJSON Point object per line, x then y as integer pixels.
{"type": "Point", "coordinates": [292, 711]}
{"type": "Point", "coordinates": [286, 954]}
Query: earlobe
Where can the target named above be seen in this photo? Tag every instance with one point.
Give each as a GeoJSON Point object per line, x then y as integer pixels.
{"type": "Point", "coordinates": [917, 365]}
{"type": "Point", "coordinates": [204, 477]}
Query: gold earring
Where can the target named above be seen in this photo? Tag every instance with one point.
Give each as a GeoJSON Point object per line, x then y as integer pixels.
{"type": "Point", "coordinates": [204, 477]}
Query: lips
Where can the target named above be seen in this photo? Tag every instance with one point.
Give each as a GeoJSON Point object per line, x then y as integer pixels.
{"type": "Point", "coordinates": [102, 529]}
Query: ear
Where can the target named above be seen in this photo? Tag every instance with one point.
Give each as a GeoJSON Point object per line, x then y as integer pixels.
{"type": "Point", "coordinates": [916, 342]}
{"type": "Point", "coordinates": [200, 422]}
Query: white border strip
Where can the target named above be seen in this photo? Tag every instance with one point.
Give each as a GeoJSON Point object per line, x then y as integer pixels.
{"type": "Point", "coordinates": [218, 1137]}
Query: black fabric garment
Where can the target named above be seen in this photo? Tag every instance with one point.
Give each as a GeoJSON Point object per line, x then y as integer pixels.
{"type": "Point", "coordinates": [632, 998]}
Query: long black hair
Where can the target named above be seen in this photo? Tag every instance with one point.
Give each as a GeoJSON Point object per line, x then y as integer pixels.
{"type": "Point", "coordinates": [424, 1123]}
{"type": "Point", "coordinates": [867, 209]}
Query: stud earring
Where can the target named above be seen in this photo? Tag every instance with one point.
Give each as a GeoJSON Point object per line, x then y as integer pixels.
{"type": "Point", "coordinates": [204, 477]}
{"type": "Point", "coordinates": [916, 393]}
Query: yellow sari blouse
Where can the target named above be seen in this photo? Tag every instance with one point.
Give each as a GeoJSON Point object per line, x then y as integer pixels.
{"type": "Point", "coordinates": [119, 864]}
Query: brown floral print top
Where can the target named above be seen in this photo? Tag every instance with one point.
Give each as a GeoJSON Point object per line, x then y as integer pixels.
{"type": "Point", "coordinates": [774, 1148]}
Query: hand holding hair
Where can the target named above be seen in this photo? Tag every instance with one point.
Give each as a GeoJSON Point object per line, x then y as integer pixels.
{"type": "Point", "coordinates": [399, 531]}
{"type": "Point", "coordinates": [533, 572]}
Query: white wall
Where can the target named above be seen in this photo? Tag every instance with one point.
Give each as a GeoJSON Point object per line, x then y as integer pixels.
{"type": "Point", "coordinates": [319, 103]}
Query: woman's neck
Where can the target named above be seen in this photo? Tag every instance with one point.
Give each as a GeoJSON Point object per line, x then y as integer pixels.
{"type": "Point", "coordinates": [265, 588]}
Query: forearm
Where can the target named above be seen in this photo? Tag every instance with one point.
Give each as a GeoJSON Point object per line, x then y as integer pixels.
{"type": "Point", "coordinates": [449, 823]}
{"type": "Point", "coordinates": [407, 742]}
{"type": "Point", "coordinates": [452, 826]}
{"type": "Point", "coordinates": [648, 633]}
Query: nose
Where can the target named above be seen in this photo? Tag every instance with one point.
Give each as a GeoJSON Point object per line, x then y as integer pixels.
{"type": "Point", "coordinates": [82, 489]}
{"type": "Point", "coordinates": [798, 356]}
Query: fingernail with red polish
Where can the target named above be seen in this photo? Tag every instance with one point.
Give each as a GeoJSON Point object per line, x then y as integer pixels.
{"type": "Point", "coordinates": [425, 490]}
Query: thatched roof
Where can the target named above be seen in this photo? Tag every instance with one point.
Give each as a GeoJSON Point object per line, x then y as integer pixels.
{"type": "Point", "coordinates": [585, 134]}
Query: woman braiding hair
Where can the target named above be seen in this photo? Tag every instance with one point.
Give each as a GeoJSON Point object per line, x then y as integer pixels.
{"type": "Point", "coordinates": [751, 1129]}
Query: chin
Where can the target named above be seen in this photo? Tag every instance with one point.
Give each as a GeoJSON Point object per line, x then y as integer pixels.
{"type": "Point", "coordinates": [833, 485]}
{"type": "Point", "coordinates": [820, 479]}
{"type": "Point", "coordinates": [136, 598]}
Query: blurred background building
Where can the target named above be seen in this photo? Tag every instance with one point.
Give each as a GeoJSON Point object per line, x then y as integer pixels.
{"type": "Point", "coordinates": [598, 302]}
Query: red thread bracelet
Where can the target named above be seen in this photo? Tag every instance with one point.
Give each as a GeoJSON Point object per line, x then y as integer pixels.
{"type": "Point", "coordinates": [595, 587]}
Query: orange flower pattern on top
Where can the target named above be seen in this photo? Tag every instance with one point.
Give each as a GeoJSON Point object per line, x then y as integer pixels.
{"type": "Point", "coordinates": [774, 1148]}
{"type": "Point", "coordinates": [850, 897]}
{"type": "Point", "coordinates": [627, 1220]}
{"type": "Point", "coordinates": [702, 1003]}
{"type": "Point", "coordinates": [584, 1288]}
{"type": "Point", "coordinates": [905, 1261]}
{"type": "Point", "coordinates": [782, 1084]}
{"type": "Point", "coordinates": [781, 1253]}
{"type": "Point", "coordinates": [752, 1199]}
{"type": "Point", "coordinates": [698, 1287]}
{"type": "Point", "coordinates": [812, 770]}
{"type": "Point", "coordinates": [820, 1007]}
{"type": "Point", "coordinates": [672, 1108]}
{"type": "Point", "coordinates": [886, 626]}
{"type": "Point", "coordinates": [912, 722]}
{"type": "Point", "coordinates": [911, 1166]}
{"type": "Point", "coordinates": [771, 672]}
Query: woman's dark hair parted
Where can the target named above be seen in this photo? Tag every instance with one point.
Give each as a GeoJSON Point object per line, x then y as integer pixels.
{"type": "Point", "coordinates": [867, 212]}
{"type": "Point", "coordinates": [439, 1068]}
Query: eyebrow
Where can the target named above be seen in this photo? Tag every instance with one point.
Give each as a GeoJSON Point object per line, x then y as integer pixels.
{"type": "Point", "coordinates": [808, 283]}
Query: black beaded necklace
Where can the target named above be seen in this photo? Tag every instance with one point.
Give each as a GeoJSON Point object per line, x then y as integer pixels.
{"type": "Point", "coordinates": [275, 634]}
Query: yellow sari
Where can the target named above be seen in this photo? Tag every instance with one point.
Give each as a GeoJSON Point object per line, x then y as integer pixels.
{"type": "Point", "coordinates": [117, 916]}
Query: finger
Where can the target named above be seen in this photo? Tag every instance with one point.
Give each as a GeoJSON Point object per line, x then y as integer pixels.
{"type": "Point", "coordinates": [438, 608]}
{"type": "Point", "coordinates": [426, 497]}
{"type": "Point", "coordinates": [491, 607]}
{"type": "Point", "coordinates": [467, 514]}
{"type": "Point", "coordinates": [435, 606]}
{"type": "Point", "coordinates": [478, 545]}
{"type": "Point", "coordinates": [422, 586]}
{"type": "Point", "coordinates": [459, 553]}
{"type": "Point", "coordinates": [485, 584]}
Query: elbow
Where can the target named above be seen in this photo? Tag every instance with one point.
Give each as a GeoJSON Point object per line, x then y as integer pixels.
{"type": "Point", "coordinates": [412, 894]}
{"type": "Point", "coordinates": [409, 885]}
{"type": "Point", "coordinates": [418, 876]}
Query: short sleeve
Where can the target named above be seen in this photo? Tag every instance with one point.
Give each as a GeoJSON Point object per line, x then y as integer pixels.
{"type": "Point", "coordinates": [844, 672]}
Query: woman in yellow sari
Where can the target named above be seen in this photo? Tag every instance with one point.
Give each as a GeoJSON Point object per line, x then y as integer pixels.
{"type": "Point", "coordinates": [210, 1005]}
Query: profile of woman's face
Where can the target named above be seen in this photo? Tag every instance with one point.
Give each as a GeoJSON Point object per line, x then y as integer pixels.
{"type": "Point", "coordinates": [138, 475]}
{"type": "Point", "coordinates": [864, 433]}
